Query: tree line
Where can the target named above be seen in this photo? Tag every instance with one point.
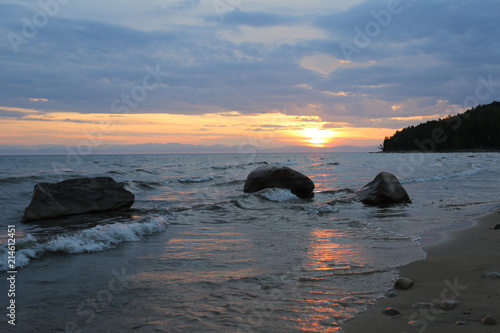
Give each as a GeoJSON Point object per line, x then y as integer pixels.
{"type": "Point", "coordinates": [475, 129]}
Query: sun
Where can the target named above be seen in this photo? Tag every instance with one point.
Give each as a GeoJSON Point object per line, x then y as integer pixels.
{"type": "Point", "coordinates": [318, 137]}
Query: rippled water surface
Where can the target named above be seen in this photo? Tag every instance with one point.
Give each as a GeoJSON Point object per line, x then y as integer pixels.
{"type": "Point", "coordinates": [196, 254]}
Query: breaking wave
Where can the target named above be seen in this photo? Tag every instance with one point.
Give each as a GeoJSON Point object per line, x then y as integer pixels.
{"type": "Point", "coordinates": [95, 239]}
{"type": "Point", "coordinates": [277, 194]}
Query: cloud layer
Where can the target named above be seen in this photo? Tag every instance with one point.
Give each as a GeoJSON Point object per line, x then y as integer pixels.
{"type": "Point", "coordinates": [363, 63]}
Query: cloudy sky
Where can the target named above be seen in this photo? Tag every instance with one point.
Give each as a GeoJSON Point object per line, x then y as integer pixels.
{"type": "Point", "coordinates": [274, 73]}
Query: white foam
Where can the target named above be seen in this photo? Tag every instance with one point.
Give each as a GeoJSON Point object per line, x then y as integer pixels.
{"type": "Point", "coordinates": [95, 239]}
{"type": "Point", "coordinates": [278, 194]}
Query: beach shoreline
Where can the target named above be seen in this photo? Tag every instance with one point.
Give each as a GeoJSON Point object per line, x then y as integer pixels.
{"type": "Point", "coordinates": [456, 269]}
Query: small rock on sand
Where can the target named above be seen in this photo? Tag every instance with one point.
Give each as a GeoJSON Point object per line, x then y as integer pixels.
{"type": "Point", "coordinates": [391, 294]}
{"type": "Point", "coordinates": [422, 305]}
{"type": "Point", "coordinates": [496, 227]}
{"type": "Point", "coordinates": [488, 320]}
{"type": "Point", "coordinates": [403, 283]}
{"type": "Point", "coordinates": [494, 275]}
{"type": "Point", "coordinates": [391, 312]}
{"type": "Point", "coordinates": [449, 304]}
{"type": "Point", "coordinates": [460, 322]}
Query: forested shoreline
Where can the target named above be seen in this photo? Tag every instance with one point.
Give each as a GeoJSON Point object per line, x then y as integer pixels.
{"type": "Point", "coordinates": [477, 129]}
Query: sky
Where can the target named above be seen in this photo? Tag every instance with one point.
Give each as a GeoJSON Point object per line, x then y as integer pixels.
{"type": "Point", "coordinates": [318, 73]}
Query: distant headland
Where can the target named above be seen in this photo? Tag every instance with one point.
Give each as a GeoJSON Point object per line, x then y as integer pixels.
{"type": "Point", "coordinates": [477, 129]}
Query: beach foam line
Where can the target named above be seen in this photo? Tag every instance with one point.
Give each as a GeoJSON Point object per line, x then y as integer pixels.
{"type": "Point", "coordinates": [95, 239]}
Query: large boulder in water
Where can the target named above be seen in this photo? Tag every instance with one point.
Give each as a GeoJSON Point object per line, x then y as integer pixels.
{"type": "Point", "coordinates": [383, 190]}
{"type": "Point", "coordinates": [269, 176]}
{"type": "Point", "coordinates": [77, 196]}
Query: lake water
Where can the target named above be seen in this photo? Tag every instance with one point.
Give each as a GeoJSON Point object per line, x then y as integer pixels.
{"type": "Point", "coordinates": [196, 254]}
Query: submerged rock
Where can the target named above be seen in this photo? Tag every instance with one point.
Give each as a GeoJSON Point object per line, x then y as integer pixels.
{"type": "Point", "coordinates": [279, 176]}
{"type": "Point", "coordinates": [383, 190]}
{"type": "Point", "coordinates": [77, 196]}
{"type": "Point", "coordinates": [403, 283]}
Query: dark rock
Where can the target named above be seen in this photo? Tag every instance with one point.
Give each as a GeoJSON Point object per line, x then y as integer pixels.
{"type": "Point", "coordinates": [391, 312]}
{"type": "Point", "coordinates": [403, 283]}
{"type": "Point", "coordinates": [271, 176]}
{"type": "Point", "coordinates": [488, 320]}
{"type": "Point", "coordinates": [77, 196]}
{"type": "Point", "coordinates": [460, 322]}
{"type": "Point", "coordinates": [383, 190]}
{"type": "Point", "coordinates": [497, 227]}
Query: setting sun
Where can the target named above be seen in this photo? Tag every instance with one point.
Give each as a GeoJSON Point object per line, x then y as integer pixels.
{"type": "Point", "coordinates": [318, 137]}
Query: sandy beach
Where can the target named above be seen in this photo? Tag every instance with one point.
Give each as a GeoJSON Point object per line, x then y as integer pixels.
{"type": "Point", "coordinates": [457, 268]}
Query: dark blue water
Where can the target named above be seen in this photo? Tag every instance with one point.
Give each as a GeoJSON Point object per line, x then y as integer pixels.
{"type": "Point", "coordinates": [196, 254]}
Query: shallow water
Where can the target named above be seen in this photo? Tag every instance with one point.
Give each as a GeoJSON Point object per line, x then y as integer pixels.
{"type": "Point", "coordinates": [197, 254]}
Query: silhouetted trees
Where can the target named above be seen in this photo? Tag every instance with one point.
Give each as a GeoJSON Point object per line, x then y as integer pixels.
{"type": "Point", "coordinates": [477, 128]}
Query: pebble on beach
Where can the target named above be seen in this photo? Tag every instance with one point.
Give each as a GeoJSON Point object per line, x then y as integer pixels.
{"type": "Point", "coordinates": [392, 294]}
{"type": "Point", "coordinates": [449, 304]}
{"type": "Point", "coordinates": [422, 305]}
{"type": "Point", "coordinates": [488, 320]}
{"type": "Point", "coordinates": [494, 275]}
{"type": "Point", "coordinates": [460, 322]}
{"type": "Point", "coordinates": [391, 312]}
{"type": "Point", "coordinates": [403, 283]}
{"type": "Point", "coordinates": [496, 227]}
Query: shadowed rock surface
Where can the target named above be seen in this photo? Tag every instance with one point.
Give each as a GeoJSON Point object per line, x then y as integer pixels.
{"type": "Point", "coordinates": [77, 196]}
{"type": "Point", "coordinates": [272, 176]}
{"type": "Point", "coordinates": [385, 189]}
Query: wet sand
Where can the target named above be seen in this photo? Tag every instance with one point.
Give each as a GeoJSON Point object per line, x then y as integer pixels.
{"type": "Point", "coordinates": [456, 268]}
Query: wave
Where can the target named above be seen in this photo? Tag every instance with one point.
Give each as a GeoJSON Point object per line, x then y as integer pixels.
{"type": "Point", "coordinates": [471, 170]}
{"type": "Point", "coordinates": [147, 171]}
{"type": "Point", "coordinates": [277, 194]}
{"type": "Point", "coordinates": [138, 185]}
{"type": "Point", "coordinates": [238, 166]}
{"type": "Point", "coordinates": [91, 240]}
{"type": "Point", "coordinates": [19, 180]}
{"type": "Point", "coordinates": [114, 172]}
{"type": "Point", "coordinates": [340, 190]}
{"type": "Point", "coordinates": [289, 162]}
{"type": "Point", "coordinates": [322, 209]}
{"type": "Point", "coordinates": [189, 180]}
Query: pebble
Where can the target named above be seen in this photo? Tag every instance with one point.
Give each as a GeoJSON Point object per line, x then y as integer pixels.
{"type": "Point", "coordinates": [460, 322]}
{"type": "Point", "coordinates": [494, 275]}
{"type": "Point", "coordinates": [391, 312]}
{"type": "Point", "coordinates": [496, 227]}
{"type": "Point", "coordinates": [449, 304]}
{"type": "Point", "coordinates": [403, 283]}
{"type": "Point", "coordinates": [488, 320]}
{"type": "Point", "coordinates": [392, 294]}
{"type": "Point", "coordinates": [422, 305]}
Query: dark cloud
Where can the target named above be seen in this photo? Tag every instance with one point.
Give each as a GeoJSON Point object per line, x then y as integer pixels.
{"type": "Point", "coordinates": [11, 114]}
